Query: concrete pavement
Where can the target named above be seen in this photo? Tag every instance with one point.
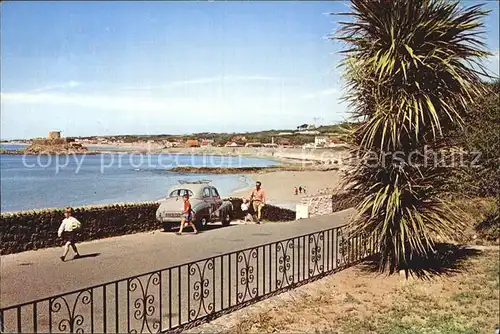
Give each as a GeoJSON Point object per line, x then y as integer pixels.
{"type": "Point", "coordinates": [38, 274]}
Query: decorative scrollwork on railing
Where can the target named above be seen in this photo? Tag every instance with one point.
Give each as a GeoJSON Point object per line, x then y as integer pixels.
{"type": "Point", "coordinates": [144, 306]}
{"type": "Point", "coordinates": [73, 323]}
{"type": "Point", "coordinates": [342, 249]}
{"type": "Point", "coordinates": [201, 289]}
{"type": "Point", "coordinates": [316, 253]}
{"type": "Point", "coordinates": [284, 264]}
{"type": "Point", "coordinates": [246, 274]}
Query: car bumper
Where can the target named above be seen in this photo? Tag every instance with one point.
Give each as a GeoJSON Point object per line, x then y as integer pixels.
{"type": "Point", "coordinates": [169, 218]}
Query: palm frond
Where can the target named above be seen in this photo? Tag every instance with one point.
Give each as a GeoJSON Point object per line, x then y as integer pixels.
{"type": "Point", "coordinates": [412, 69]}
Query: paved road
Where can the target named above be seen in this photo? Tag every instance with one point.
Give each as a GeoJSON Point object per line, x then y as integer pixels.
{"type": "Point", "coordinates": [39, 274]}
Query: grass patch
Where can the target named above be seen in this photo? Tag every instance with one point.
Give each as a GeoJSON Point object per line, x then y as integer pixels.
{"type": "Point", "coordinates": [466, 301]}
{"type": "Point", "coordinates": [350, 299]}
{"type": "Point", "coordinates": [482, 218]}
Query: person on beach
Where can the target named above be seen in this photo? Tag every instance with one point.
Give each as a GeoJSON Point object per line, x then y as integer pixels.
{"type": "Point", "coordinates": [67, 231]}
{"type": "Point", "coordinates": [187, 217]}
{"type": "Point", "coordinates": [258, 199]}
{"type": "Point", "coordinates": [295, 191]}
{"type": "Point", "coordinates": [244, 208]}
{"type": "Point", "coordinates": [303, 189]}
{"type": "Point", "coordinates": [300, 189]}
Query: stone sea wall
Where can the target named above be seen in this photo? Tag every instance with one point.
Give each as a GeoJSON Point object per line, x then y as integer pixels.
{"type": "Point", "coordinates": [324, 204]}
{"type": "Point", "coordinates": [31, 230]}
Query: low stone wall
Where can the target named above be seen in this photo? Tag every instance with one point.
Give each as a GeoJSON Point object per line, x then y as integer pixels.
{"type": "Point", "coordinates": [269, 212]}
{"type": "Point", "coordinates": [328, 203]}
{"type": "Point", "coordinates": [31, 230]}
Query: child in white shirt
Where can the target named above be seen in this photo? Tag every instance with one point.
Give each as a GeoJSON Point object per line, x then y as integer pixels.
{"type": "Point", "coordinates": [67, 231]}
{"type": "Point", "coordinates": [244, 209]}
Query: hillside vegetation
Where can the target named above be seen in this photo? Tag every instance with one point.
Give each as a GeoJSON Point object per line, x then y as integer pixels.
{"type": "Point", "coordinates": [259, 136]}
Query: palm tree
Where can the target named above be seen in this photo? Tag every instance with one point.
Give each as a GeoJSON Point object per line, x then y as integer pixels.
{"type": "Point", "coordinates": [412, 69]}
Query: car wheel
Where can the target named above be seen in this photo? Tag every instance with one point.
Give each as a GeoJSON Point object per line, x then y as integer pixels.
{"type": "Point", "coordinates": [201, 223]}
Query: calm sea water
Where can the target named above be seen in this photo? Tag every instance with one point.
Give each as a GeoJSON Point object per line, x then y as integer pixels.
{"type": "Point", "coordinates": [30, 182]}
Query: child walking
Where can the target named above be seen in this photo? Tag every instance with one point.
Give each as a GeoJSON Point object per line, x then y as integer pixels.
{"type": "Point", "coordinates": [244, 208]}
{"type": "Point", "coordinates": [187, 217]}
{"type": "Point", "coordinates": [67, 231]}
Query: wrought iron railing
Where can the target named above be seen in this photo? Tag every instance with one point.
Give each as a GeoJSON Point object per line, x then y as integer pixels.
{"type": "Point", "coordinates": [184, 296]}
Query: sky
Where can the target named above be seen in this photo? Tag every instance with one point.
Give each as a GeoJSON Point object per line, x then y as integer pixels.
{"type": "Point", "coordinates": [107, 68]}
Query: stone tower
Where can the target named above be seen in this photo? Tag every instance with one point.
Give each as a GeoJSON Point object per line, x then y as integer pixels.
{"type": "Point", "coordinates": [54, 135]}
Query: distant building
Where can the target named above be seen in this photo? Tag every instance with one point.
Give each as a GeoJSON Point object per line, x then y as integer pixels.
{"type": "Point", "coordinates": [231, 144]}
{"type": "Point", "coordinates": [171, 143]}
{"type": "Point", "coordinates": [309, 132]}
{"type": "Point", "coordinates": [271, 145]}
{"type": "Point", "coordinates": [284, 142]}
{"type": "Point", "coordinates": [206, 142]}
{"type": "Point", "coordinates": [320, 141]}
{"type": "Point", "coordinates": [54, 135]}
{"type": "Point", "coordinates": [285, 134]}
{"type": "Point", "coordinates": [308, 145]}
{"type": "Point", "coordinates": [192, 143]}
{"type": "Point", "coordinates": [255, 144]}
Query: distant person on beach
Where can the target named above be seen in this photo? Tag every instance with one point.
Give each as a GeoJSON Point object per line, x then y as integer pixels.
{"type": "Point", "coordinates": [258, 199]}
{"type": "Point", "coordinates": [187, 216]}
{"type": "Point", "coordinates": [68, 230]}
{"type": "Point", "coordinates": [300, 189]}
{"type": "Point", "coordinates": [244, 208]}
{"type": "Point", "coordinates": [304, 190]}
{"type": "Point", "coordinates": [295, 191]}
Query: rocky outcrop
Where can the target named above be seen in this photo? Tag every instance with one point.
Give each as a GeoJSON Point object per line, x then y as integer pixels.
{"type": "Point", "coordinates": [224, 170]}
{"type": "Point", "coordinates": [55, 147]}
{"type": "Point", "coordinates": [251, 170]}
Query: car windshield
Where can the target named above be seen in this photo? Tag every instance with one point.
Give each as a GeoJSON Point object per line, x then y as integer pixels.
{"type": "Point", "coordinates": [181, 192]}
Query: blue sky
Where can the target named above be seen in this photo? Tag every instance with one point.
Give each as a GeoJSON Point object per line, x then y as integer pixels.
{"type": "Point", "coordinates": [102, 68]}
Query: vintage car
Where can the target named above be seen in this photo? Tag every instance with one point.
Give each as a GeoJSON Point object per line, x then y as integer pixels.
{"type": "Point", "coordinates": [205, 201]}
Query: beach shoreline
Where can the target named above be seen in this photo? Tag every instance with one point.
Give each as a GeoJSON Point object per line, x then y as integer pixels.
{"type": "Point", "coordinates": [284, 155]}
{"type": "Point", "coordinates": [279, 186]}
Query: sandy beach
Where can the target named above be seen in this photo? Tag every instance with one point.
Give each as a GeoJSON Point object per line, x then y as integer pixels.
{"type": "Point", "coordinates": [279, 185]}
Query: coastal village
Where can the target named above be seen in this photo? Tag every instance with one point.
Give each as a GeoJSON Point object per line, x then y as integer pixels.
{"type": "Point", "coordinates": [387, 222]}
{"type": "Point", "coordinates": [304, 136]}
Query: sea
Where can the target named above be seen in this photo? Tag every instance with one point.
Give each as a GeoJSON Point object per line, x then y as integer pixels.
{"type": "Point", "coordinates": [51, 181]}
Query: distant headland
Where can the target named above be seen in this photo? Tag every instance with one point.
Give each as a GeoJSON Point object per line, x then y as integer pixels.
{"type": "Point", "coordinates": [53, 144]}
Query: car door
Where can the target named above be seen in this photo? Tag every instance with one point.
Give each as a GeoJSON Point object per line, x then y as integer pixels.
{"type": "Point", "coordinates": [216, 198]}
{"type": "Point", "coordinates": [207, 198]}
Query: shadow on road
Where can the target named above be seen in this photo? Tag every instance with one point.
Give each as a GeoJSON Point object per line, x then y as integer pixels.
{"type": "Point", "coordinates": [445, 260]}
{"type": "Point", "coordinates": [83, 256]}
{"type": "Point", "coordinates": [189, 230]}
{"type": "Point", "coordinates": [214, 227]}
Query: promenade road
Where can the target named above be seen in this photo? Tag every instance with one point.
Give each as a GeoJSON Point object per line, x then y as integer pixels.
{"type": "Point", "coordinates": [39, 274]}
